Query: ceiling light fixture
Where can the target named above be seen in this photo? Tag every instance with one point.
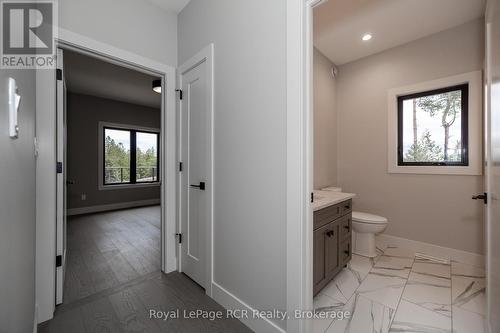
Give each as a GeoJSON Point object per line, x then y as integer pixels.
{"type": "Point", "coordinates": [157, 86]}
{"type": "Point", "coordinates": [366, 37]}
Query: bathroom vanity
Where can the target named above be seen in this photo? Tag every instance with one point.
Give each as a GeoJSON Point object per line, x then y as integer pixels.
{"type": "Point", "coordinates": [332, 225]}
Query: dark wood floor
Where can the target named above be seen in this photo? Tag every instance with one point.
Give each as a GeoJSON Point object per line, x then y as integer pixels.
{"type": "Point", "coordinates": [114, 279]}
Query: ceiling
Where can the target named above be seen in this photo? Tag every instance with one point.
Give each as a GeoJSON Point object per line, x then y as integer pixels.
{"type": "Point", "coordinates": [340, 24]}
{"type": "Point", "coordinates": [170, 5]}
{"type": "Point", "coordinates": [91, 76]}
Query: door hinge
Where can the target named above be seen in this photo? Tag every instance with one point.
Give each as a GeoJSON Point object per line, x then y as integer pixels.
{"type": "Point", "coordinates": [312, 197]}
{"type": "Point", "coordinates": [58, 261]}
{"type": "Point", "coordinates": [180, 166]}
{"type": "Point", "coordinates": [59, 75]}
{"type": "Point", "coordinates": [180, 93]}
{"type": "Point", "coordinates": [180, 238]}
{"type": "Point", "coordinates": [59, 167]}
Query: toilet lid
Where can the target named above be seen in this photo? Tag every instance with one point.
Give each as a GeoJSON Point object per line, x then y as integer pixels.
{"type": "Point", "coordinates": [368, 218]}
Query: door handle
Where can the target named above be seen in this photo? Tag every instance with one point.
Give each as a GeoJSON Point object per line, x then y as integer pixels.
{"type": "Point", "coordinates": [201, 186]}
{"type": "Point", "coordinates": [70, 182]}
{"type": "Point", "coordinates": [482, 196]}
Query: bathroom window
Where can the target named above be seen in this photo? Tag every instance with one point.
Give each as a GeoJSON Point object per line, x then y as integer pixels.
{"type": "Point", "coordinates": [433, 127]}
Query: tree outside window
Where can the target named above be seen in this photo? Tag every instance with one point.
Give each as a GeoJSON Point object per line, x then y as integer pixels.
{"type": "Point", "coordinates": [432, 127]}
{"type": "Point", "coordinates": [130, 156]}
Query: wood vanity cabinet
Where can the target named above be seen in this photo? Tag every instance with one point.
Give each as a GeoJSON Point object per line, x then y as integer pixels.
{"type": "Point", "coordinates": [332, 242]}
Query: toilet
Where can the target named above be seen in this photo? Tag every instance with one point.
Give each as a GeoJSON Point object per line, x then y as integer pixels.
{"type": "Point", "coordinates": [365, 226]}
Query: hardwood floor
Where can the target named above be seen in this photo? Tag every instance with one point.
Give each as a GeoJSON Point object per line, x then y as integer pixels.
{"type": "Point", "coordinates": [114, 279]}
{"type": "Point", "coordinates": [107, 249]}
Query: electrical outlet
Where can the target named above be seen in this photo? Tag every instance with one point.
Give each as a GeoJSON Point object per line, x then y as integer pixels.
{"type": "Point", "coordinates": [84, 196]}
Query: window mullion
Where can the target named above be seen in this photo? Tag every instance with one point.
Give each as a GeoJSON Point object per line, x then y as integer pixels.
{"type": "Point", "coordinates": [133, 157]}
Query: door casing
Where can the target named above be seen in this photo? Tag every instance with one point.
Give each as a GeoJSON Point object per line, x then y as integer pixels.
{"type": "Point", "coordinates": [46, 193]}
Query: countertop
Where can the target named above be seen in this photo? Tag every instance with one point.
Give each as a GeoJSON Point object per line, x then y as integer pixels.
{"type": "Point", "coordinates": [323, 199]}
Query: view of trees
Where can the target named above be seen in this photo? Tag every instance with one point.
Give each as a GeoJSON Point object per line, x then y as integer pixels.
{"type": "Point", "coordinates": [117, 162]}
{"type": "Point", "coordinates": [446, 106]}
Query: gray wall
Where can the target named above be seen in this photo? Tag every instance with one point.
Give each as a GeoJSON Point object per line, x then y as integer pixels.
{"type": "Point", "coordinates": [17, 208]}
{"type": "Point", "coordinates": [250, 142]}
{"type": "Point", "coordinates": [325, 123]}
{"type": "Point", "coordinates": [136, 26]}
{"type": "Point", "coordinates": [430, 208]}
{"type": "Point", "coordinates": [84, 114]}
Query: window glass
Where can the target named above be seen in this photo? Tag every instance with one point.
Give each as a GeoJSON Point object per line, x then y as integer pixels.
{"type": "Point", "coordinates": [147, 157]}
{"type": "Point", "coordinates": [116, 156]}
{"type": "Point", "coordinates": [433, 127]}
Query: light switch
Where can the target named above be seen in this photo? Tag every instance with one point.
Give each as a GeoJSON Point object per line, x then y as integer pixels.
{"type": "Point", "coordinates": [14, 100]}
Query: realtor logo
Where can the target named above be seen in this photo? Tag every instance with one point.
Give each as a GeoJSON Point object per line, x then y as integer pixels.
{"type": "Point", "coordinates": [28, 34]}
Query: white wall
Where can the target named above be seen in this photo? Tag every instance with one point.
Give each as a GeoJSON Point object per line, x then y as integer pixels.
{"type": "Point", "coordinates": [17, 208]}
{"type": "Point", "coordinates": [132, 25]}
{"type": "Point", "coordinates": [325, 123]}
{"type": "Point", "coordinates": [435, 209]}
{"type": "Point", "coordinates": [250, 142]}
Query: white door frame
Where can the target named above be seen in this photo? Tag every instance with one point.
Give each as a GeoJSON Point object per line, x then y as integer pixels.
{"type": "Point", "coordinates": [299, 161]}
{"type": "Point", "coordinates": [205, 55]}
{"type": "Point", "coordinates": [46, 162]}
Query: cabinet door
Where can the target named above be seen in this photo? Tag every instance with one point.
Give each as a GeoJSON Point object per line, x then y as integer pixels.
{"type": "Point", "coordinates": [331, 249]}
{"type": "Point", "coordinates": [319, 255]}
{"type": "Point", "coordinates": [345, 252]}
{"type": "Point", "coordinates": [345, 227]}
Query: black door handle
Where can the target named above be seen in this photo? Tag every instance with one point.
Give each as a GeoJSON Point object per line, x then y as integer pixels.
{"type": "Point", "coordinates": [201, 186]}
{"type": "Point", "coordinates": [482, 196]}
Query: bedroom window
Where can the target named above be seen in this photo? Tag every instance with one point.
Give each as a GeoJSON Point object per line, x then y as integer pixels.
{"type": "Point", "coordinates": [130, 156]}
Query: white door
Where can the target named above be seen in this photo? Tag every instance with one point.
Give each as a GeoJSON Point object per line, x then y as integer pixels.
{"type": "Point", "coordinates": [195, 178]}
{"type": "Point", "coordinates": [493, 165]}
{"type": "Point", "coordinates": [61, 179]}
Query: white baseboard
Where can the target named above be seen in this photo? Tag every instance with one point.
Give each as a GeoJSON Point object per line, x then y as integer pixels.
{"type": "Point", "coordinates": [115, 206]}
{"type": "Point", "coordinates": [229, 301]}
{"type": "Point", "coordinates": [470, 258]}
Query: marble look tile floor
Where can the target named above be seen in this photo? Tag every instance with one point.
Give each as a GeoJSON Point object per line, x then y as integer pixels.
{"type": "Point", "coordinates": [395, 292]}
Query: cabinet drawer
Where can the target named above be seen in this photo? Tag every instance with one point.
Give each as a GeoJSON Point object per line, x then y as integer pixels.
{"type": "Point", "coordinates": [326, 215]}
{"type": "Point", "coordinates": [345, 251]}
{"type": "Point", "coordinates": [346, 207]}
{"type": "Point", "coordinates": [345, 226]}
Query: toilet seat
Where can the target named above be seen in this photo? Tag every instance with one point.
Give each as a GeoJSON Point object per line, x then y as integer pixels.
{"type": "Point", "coordinates": [368, 218]}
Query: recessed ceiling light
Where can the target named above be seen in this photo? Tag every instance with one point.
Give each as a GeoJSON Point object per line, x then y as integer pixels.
{"type": "Point", "coordinates": [366, 37]}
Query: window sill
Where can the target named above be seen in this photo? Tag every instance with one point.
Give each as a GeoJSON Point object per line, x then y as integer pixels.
{"type": "Point", "coordinates": [127, 186]}
{"type": "Point", "coordinates": [437, 170]}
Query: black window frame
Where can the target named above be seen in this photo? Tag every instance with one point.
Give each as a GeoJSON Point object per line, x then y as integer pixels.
{"type": "Point", "coordinates": [464, 88]}
{"type": "Point", "coordinates": [133, 155]}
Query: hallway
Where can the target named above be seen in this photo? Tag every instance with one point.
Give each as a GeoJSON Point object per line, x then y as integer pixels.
{"type": "Point", "coordinates": [114, 279]}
